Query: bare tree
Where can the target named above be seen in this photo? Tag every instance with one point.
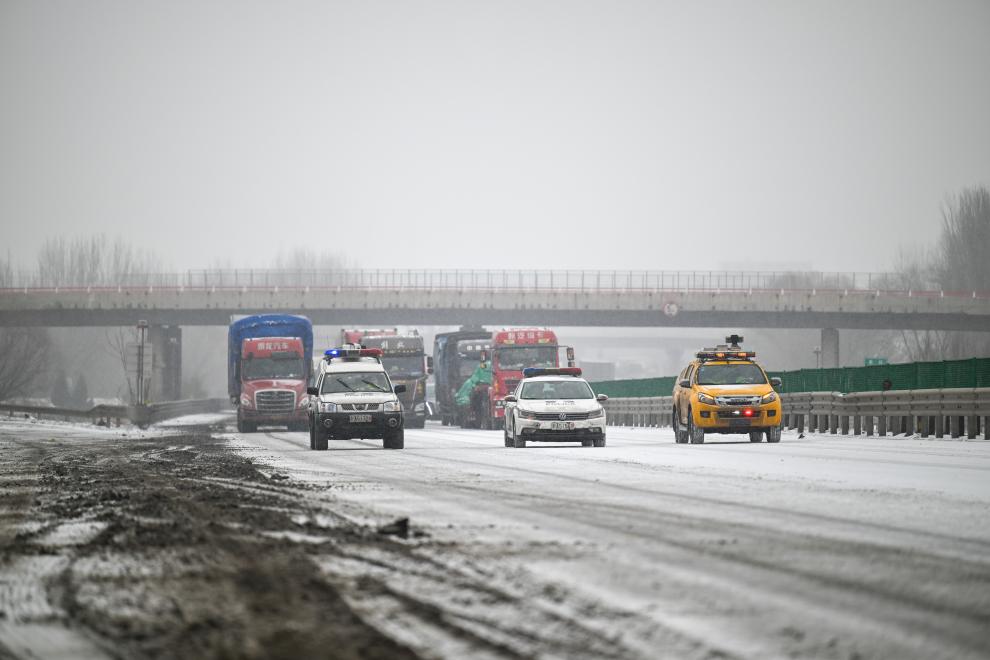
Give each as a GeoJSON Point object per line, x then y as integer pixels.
{"type": "Point", "coordinates": [95, 261]}
{"type": "Point", "coordinates": [25, 355]}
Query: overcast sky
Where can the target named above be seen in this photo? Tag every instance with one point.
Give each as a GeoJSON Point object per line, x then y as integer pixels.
{"type": "Point", "coordinates": [648, 135]}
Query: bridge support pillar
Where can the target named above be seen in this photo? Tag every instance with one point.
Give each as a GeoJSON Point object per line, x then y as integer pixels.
{"type": "Point", "coordinates": [166, 348]}
{"type": "Point", "coordinates": [830, 348]}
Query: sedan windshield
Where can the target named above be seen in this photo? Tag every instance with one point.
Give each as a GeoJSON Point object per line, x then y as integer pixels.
{"type": "Point", "coordinates": [731, 374]}
{"type": "Point", "coordinates": [568, 389]}
{"type": "Point", "coordinates": [372, 381]}
{"type": "Point", "coordinates": [272, 368]}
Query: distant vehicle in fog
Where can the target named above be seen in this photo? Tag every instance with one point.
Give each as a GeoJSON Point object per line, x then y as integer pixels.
{"type": "Point", "coordinates": [456, 355]}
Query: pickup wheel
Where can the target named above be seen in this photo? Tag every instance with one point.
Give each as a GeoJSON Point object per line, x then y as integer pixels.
{"type": "Point", "coordinates": [680, 435]}
{"type": "Point", "coordinates": [773, 434]}
{"type": "Point", "coordinates": [394, 439]}
{"type": "Point", "coordinates": [321, 440]}
{"type": "Point", "coordinates": [696, 435]}
{"type": "Point", "coordinates": [756, 436]}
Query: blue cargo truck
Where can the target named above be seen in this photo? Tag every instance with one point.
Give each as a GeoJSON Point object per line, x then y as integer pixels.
{"type": "Point", "coordinates": [269, 362]}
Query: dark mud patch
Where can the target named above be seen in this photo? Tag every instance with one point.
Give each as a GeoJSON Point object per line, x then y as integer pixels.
{"type": "Point", "coordinates": [188, 556]}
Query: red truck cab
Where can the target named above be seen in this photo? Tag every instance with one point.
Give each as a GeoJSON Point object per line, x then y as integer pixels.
{"type": "Point", "coordinates": [512, 351]}
{"type": "Point", "coordinates": [273, 377]}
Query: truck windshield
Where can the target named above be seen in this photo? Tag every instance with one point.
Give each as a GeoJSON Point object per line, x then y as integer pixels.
{"type": "Point", "coordinates": [271, 368]}
{"type": "Point", "coordinates": [403, 366]}
{"type": "Point", "coordinates": [517, 358]}
{"type": "Point", "coordinates": [359, 381]}
{"type": "Point", "coordinates": [569, 389]}
{"type": "Point", "coordinates": [731, 374]}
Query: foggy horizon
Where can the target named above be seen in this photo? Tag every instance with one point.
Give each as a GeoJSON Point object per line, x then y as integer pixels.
{"type": "Point", "coordinates": [615, 135]}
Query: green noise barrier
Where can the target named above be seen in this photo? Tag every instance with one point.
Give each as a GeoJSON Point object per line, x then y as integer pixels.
{"type": "Point", "coordinates": [974, 372]}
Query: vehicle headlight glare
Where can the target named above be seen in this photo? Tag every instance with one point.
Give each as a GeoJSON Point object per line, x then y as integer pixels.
{"type": "Point", "coordinates": [769, 398]}
{"type": "Point", "coordinates": [704, 398]}
{"type": "Point", "coordinates": [328, 407]}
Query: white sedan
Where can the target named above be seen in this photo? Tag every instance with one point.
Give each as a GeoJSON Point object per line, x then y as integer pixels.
{"type": "Point", "coordinates": [554, 405]}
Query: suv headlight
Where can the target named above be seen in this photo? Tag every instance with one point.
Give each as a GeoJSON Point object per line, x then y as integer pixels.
{"type": "Point", "coordinates": [526, 414]}
{"type": "Point", "coordinates": [327, 407]}
{"type": "Point", "coordinates": [769, 398]}
{"type": "Point", "coordinates": [704, 398]}
{"type": "Point", "coordinates": [392, 406]}
{"type": "Point", "coordinates": [594, 414]}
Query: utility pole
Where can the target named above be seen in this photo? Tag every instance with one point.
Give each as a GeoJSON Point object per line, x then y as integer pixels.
{"type": "Point", "coordinates": [142, 327]}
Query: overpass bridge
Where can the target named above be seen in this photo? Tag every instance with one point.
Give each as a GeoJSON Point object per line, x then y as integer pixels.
{"type": "Point", "coordinates": [737, 299]}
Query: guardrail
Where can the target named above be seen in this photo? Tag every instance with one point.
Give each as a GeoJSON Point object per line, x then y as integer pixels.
{"type": "Point", "coordinates": [141, 416]}
{"type": "Point", "coordinates": [955, 412]}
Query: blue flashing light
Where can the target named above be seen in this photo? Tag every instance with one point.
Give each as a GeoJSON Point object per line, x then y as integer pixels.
{"type": "Point", "coordinates": [332, 353]}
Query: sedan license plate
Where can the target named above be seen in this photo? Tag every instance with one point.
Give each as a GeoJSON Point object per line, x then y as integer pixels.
{"type": "Point", "coordinates": [359, 419]}
{"type": "Point", "coordinates": [561, 426]}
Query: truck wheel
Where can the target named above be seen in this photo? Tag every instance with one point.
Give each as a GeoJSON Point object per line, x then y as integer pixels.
{"type": "Point", "coordinates": [696, 435]}
{"type": "Point", "coordinates": [600, 442]}
{"type": "Point", "coordinates": [773, 434]}
{"type": "Point", "coordinates": [756, 436]}
{"type": "Point", "coordinates": [321, 441]}
{"type": "Point", "coordinates": [246, 427]}
{"type": "Point", "coordinates": [394, 439]}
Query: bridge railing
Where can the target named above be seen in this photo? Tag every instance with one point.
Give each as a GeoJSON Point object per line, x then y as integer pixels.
{"type": "Point", "coordinates": [513, 280]}
{"type": "Point", "coordinates": [939, 412]}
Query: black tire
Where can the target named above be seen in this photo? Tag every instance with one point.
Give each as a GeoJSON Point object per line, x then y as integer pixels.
{"type": "Point", "coordinates": [506, 437]}
{"type": "Point", "coordinates": [695, 435]}
{"type": "Point", "coordinates": [312, 436]}
{"type": "Point", "coordinates": [394, 439]}
{"type": "Point", "coordinates": [588, 443]}
{"type": "Point", "coordinates": [773, 434]}
{"type": "Point", "coordinates": [680, 435]}
{"type": "Point", "coordinates": [246, 427]}
{"type": "Point", "coordinates": [599, 442]}
{"type": "Point", "coordinates": [518, 442]}
{"type": "Point", "coordinates": [756, 436]}
{"type": "Point", "coordinates": [322, 440]}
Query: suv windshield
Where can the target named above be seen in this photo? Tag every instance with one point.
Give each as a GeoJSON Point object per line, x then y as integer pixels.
{"type": "Point", "coordinates": [370, 381]}
{"type": "Point", "coordinates": [731, 374]}
{"type": "Point", "coordinates": [568, 389]}
{"type": "Point", "coordinates": [517, 358]}
{"type": "Point", "coordinates": [271, 368]}
{"type": "Point", "coordinates": [404, 366]}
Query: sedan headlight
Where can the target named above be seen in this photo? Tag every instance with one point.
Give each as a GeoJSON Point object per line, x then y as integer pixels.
{"type": "Point", "coordinates": [769, 398]}
{"type": "Point", "coordinates": [327, 407]}
{"type": "Point", "coordinates": [594, 414]}
{"type": "Point", "coordinates": [704, 398]}
{"type": "Point", "coordinates": [526, 414]}
{"type": "Point", "coordinates": [392, 406]}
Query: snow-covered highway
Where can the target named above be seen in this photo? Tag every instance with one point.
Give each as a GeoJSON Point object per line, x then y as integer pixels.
{"type": "Point", "coordinates": [821, 546]}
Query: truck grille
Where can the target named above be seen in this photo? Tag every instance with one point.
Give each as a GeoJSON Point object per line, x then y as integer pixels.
{"type": "Point", "coordinates": [275, 401]}
{"type": "Point", "coordinates": [363, 407]}
{"type": "Point", "coordinates": [550, 417]}
{"type": "Point", "coordinates": [737, 400]}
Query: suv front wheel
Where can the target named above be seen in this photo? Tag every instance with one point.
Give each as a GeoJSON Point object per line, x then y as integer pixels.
{"type": "Point", "coordinates": [695, 434]}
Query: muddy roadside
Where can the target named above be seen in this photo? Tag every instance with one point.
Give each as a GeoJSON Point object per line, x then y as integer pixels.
{"type": "Point", "coordinates": [166, 547]}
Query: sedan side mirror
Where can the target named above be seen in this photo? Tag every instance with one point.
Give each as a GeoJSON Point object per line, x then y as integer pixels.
{"type": "Point", "coordinates": [312, 391]}
{"type": "Point", "coordinates": [510, 398]}
{"type": "Point", "coordinates": [684, 383]}
{"type": "Point", "coordinates": [399, 389]}
{"type": "Point", "coordinates": [602, 397]}
{"type": "Point", "coordinates": [776, 382]}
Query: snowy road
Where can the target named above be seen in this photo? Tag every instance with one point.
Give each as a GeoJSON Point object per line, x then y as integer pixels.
{"type": "Point", "coordinates": [818, 547]}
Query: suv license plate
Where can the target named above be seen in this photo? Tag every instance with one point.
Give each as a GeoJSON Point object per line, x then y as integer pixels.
{"type": "Point", "coordinates": [561, 426]}
{"type": "Point", "coordinates": [359, 419]}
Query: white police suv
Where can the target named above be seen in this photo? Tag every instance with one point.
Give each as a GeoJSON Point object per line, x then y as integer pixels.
{"type": "Point", "coordinates": [554, 405]}
{"type": "Point", "coordinates": [354, 398]}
